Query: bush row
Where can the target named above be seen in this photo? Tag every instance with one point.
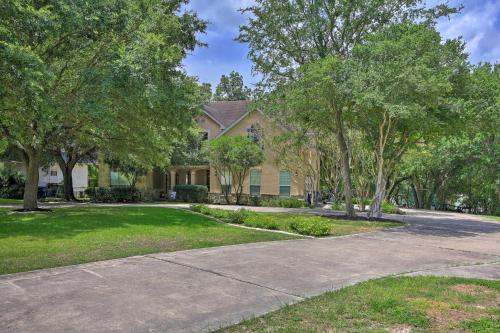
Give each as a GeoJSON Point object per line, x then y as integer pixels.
{"type": "Point", "coordinates": [113, 194]}
{"type": "Point", "coordinates": [191, 193]}
{"type": "Point", "coordinates": [303, 225]}
{"type": "Point", "coordinates": [282, 202]}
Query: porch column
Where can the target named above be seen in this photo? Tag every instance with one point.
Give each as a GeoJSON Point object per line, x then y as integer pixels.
{"type": "Point", "coordinates": [172, 179]}
{"type": "Point", "coordinates": [193, 177]}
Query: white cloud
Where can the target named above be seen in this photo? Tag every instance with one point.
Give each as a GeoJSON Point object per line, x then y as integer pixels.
{"type": "Point", "coordinates": [479, 25]}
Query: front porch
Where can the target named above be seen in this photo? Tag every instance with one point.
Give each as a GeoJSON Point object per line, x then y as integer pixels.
{"type": "Point", "coordinates": [194, 175]}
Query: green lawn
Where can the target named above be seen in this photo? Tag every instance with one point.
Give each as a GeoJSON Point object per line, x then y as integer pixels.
{"type": "Point", "coordinates": [287, 221]}
{"type": "Point", "coordinates": [409, 304]}
{"type": "Point", "coordinates": [338, 227]}
{"type": "Point", "coordinates": [5, 201]}
{"type": "Point", "coordinates": [70, 236]}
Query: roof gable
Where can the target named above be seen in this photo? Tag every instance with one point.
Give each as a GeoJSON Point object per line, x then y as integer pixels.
{"type": "Point", "coordinates": [226, 112]}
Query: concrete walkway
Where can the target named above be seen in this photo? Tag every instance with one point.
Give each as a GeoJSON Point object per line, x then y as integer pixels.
{"type": "Point", "coordinates": [204, 289]}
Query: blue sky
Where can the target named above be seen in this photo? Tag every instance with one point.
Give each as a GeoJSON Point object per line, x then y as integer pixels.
{"type": "Point", "coordinates": [478, 24]}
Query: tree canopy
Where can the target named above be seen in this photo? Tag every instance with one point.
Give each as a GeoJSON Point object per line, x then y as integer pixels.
{"type": "Point", "coordinates": [107, 74]}
{"type": "Point", "coordinates": [232, 88]}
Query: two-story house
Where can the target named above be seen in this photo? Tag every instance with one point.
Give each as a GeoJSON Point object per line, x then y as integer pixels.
{"type": "Point", "coordinates": [217, 119]}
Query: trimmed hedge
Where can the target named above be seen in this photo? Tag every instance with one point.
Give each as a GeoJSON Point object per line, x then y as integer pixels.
{"type": "Point", "coordinates": [113, 194]}
{"type": "Point", "coordinates": [284, 202]}
{"type": "Point", "coordinates": [311, 227]}
{"type": "Point", "coordinates": [191, 193]}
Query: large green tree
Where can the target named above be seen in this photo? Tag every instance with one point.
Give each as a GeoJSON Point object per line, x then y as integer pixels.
{"type": "Point", "coordinates": [284, 35]}
{"type": "Point", "coordinates": [232, 88]}
{"type": "Point", "coordinates": [76, 75]}
{"type": "Point", "coordinates": [402, 92]}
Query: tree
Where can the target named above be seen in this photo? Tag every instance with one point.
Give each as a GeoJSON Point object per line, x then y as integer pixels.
{"type": "Point", "coordinates": [232, 88]}
{"type": "Point", "coordinates": [75, 71]}
{"type": "Point", "coordinates": [461, 166]}
{"type": "Point", "coordinates": [402, 91]}
{"type": "Point", "coordinates": [286, 34]}
{"type": "Point", "coordinates": [313, 105]}
{"type": "Point", "coordinates": [232, 157]}
{"type": "Point", "coordinates": [206, 92]}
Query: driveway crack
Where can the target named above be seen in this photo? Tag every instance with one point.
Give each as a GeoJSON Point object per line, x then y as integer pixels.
{"type": "Point", "coordinates": [226, 276]}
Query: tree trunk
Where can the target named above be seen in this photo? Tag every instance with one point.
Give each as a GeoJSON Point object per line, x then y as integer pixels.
{"type": "Point", "coordinates": [31, 161]}
{"type": "Point", "coordinates": [346, 170]}
{"type": "Point", "coordinates": [376, 205]}
{"type": "Point", "coordinates": [67, 170]}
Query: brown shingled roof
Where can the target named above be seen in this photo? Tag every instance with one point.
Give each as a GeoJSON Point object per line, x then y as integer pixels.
{"type": "Point", "coordinates": [226, 112]}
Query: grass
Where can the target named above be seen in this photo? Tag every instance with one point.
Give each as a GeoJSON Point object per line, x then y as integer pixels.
{"type": "Point", "coordinates": [288, 222]}
{"type": "Point", "coordinates": [5, 201]}
{"type": "Point", "coordinates": [76, 235]}
{"type": "Point", "coordinates": [338, 227]}
{"type": "Point", "coordinates": [492, 217]}
{"type": "Point", "coordinates": [405, 304]}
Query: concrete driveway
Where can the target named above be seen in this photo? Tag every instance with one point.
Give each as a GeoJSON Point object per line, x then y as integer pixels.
{"type": "Point", "coordinates": [204, 289]}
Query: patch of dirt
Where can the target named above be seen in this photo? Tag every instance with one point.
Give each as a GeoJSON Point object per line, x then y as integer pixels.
{"type": "Point", "coordinates": [472, 289]}
{"type": "Point", "coordinates": [400, 329]}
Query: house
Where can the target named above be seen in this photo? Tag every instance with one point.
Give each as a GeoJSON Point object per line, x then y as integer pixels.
{"type": "Point", "coordinates": [51, 178]}
{"type": "Point", "coordinates": [217, 119]}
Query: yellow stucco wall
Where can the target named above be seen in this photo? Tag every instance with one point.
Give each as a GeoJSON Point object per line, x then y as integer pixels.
{"type": "Point", "coordinates": [269, 170]}
{"type": "Point", "coordinates": [209, 125]}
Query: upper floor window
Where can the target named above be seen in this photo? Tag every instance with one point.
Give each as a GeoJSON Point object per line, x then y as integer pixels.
{"type": "Point", "coordinates": [53, 173]}
{"type": "Point", "coordinates": [254, 133]}
{"type": "Point", "coordinates": [285, 183]}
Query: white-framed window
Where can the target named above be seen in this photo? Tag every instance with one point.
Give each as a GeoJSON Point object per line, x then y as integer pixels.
{"type": "Point", "coordinates": [53, 173]}
{"type": "Point", "coordinates": [254, 133]}
{"type": "Point", "coordinates": [285, 183]}
{"type": "Point", "coordinates": [118, 179]}
{"type": "Point", "coordinates": [255, 181]}
{"type": "Point", "coordinates": [226, 181]}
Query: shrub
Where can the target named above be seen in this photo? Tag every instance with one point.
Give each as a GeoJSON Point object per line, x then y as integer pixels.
{"type": "Point", "coordinates": [214, 212]}
{"type": "Point", "coordinates": [217, 213]}
{"type": "Point", "coordinates": [191, 193]}
{"type": "Point", "coordinates": [238, 216]}
{"type": "Point", "coordinates": [255, 201]}
{"type": "Point", "coordinates": [198, 208]}
{"type": "Point", "coordinates": [262, 222]}
{"type": "Point", "coordinates": [389, 208]}
{"type": "Point", "coordinates": [113, 194]}
{"type": "Point", "coordinates": [338, 205]}
{"type": "Point", "coordinates": [124, 194]}
{"type": "Point", "coordinates": [284, 202]}
{"type": "Point", "coordinates": [291, 203]}
{"type": "Point", "coordinates": [311, 227]}
{"type": "Point", "coordinates": [11, 184]}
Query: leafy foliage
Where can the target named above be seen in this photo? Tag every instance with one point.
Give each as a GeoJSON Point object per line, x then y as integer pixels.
{"type": "Point", "coordinates": [232, 88]}
{"type": "Point", "coordinates": [232, 157]}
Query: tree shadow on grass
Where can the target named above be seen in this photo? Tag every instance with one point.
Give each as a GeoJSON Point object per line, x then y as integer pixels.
{"type": "Point", "coordinates": [69, 222]}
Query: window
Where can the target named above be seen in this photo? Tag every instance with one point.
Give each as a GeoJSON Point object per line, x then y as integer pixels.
{"type": "Point", "coordinates": [204, 136]}
{"type": "Point", "coordinates": [254, 133]}
{"type": "Point", "coordinates": [285, 183]}
{"type": "Point", "coordinates": [53, 173]}
{"type": "Point", "coordinates": [118, 179]}
{"type": "Point", "coordinates": [255, 183]}
{"type": "Point", "coordinates": [225, 181]}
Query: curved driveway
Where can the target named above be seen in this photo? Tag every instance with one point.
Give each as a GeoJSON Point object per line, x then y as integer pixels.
{"type": "Point", "coordinates": [204, 289]}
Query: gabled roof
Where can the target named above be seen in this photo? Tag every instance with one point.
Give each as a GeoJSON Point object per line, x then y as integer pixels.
{"type": "Point", "coordinates": [226, 112]}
